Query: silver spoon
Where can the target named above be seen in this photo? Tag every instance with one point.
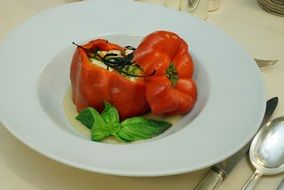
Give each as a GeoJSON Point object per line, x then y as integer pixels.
{"type": "Point", "coordinates": [267, 151]}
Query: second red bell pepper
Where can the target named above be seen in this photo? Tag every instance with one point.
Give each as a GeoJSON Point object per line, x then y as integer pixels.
{"type": "Point", "coordinates": [171, 90]}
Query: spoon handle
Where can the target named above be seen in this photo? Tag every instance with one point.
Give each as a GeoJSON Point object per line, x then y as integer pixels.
{"type": "Point", "coordinates": [252, 181]}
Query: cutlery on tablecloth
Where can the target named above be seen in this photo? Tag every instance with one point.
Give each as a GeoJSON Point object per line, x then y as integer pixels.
{"type": "Point", "coordinates": [219, 171]}
{"type": "Point", "coordinates": [266, 151]}
{"type": "Point", "coordinates": [264, 63]}
{"type": "Point", "coordinates": [281, 185]}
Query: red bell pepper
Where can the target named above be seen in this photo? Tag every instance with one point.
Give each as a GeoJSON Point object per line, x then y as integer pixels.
{"type": "Point", "coordinates": [170, 90]}
{"type": "Point", "coordinates": [92, 84]}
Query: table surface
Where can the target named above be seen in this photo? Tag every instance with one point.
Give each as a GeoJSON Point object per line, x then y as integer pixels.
{"type": "Point", "coordinates": [258, 32]}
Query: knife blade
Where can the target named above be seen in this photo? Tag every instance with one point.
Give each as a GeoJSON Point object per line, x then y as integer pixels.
{"type": "Point", "coordinates": [219, 171]}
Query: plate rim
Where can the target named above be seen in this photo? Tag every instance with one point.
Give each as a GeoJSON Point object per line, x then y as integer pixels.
{"type": "Point", "coordinates": [104, 170]}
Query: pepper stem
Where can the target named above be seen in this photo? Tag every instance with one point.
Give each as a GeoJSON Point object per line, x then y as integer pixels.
{"type": "Point", "coordinates": [172, 74]}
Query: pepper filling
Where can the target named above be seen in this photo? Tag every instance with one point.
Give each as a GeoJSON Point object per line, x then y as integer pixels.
{"type": "Point", "coordinates": [121, 61]}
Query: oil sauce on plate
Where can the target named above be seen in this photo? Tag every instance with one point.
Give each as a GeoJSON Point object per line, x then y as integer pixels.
{"type": "Point", "coordinates": [71, 113]}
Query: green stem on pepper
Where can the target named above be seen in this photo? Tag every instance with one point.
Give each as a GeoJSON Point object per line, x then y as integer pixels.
{"type": "Point", "coordinates": [172, 74]}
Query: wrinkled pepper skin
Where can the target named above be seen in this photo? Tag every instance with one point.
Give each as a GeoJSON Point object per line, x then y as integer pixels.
{"type": "Point", "coordinates": [155, 54]}
{"type": "Point", "coordinates": [92, 85]}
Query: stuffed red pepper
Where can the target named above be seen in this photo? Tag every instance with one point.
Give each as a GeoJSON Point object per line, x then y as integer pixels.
{"type": "Point", "coordinates": [104, 72]}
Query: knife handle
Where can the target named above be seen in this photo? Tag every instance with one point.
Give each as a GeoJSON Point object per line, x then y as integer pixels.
{"type": "Point", "coordinates": [212, 179]}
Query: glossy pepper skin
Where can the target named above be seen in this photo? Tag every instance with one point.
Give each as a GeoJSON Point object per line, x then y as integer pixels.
{"type": "Point", "coordinates": [171, 90]}
{"type": "Point", "coordinates": [92, 85]}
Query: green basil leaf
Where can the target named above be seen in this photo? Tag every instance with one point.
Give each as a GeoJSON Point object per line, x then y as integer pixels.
{"type": "Point", "coordinates": [107, 124]}
{"type": "Point", "coordinates": [100, 128]}
{"type": "Point", "coordinates": [86, 117]}
{"type": "Point", "coordinates": [110, 114]}
{"type": "Point", "coordinates": [94, 121]}
{"type": "Point", "coordinates": [140, 128]}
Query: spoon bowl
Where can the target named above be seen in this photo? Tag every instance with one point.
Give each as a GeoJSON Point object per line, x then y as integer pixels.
{"type": "Point", "coordinates": [267, 151]}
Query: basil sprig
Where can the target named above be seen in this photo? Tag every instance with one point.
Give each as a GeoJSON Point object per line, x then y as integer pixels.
{"type": "Point", "coordinates": [107, 124]}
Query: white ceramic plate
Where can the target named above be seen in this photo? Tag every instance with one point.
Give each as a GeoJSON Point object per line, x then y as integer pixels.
{"type": "Point", "coordinates": [34, 76]}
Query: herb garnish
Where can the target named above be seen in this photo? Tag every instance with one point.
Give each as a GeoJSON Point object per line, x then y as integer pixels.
{"type": "Point", "coordinates": [107, 124]}
{"type": "Point", "coordinates": [123, 64]}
